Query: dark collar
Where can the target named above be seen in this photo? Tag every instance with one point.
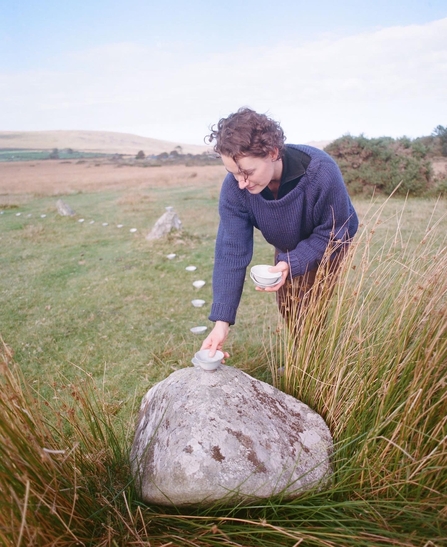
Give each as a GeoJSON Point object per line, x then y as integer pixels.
{"type": "Point", "coordinates": [294, 165]}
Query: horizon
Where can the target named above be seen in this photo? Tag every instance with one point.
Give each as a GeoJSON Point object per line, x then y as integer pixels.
{"type": "Point", "coordinates": [322, 71]}
{"type": "Point", "coordinates": [176, 142]}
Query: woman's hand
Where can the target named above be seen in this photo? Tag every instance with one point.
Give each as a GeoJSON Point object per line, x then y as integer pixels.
{"type": "Point", "coordinates": [216, 338]}
{"type": "Point", "coordinates": [282, 267]}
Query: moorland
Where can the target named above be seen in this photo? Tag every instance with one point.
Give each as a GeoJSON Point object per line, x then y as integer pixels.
{"type": "Point", "coordinates": [92, 315]}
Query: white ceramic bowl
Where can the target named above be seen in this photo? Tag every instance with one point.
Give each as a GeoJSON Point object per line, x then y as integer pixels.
{"type": "Point", "coordinates": [260, 274]}
{"type": "Point", "coordinates": [206, 362]}
{"type": "Point", "coordinates": [198, 330]}
{"type": "Point", "coordinates": [263, 282]}
{"type": "Point", "coordinates": [199, 283]}
{"type": "Point", "coordinates": [197, 303]}
{"type": "Point", "coordinates": [208, 366]}
{"type": "Point", "coordinates": [261, 285]}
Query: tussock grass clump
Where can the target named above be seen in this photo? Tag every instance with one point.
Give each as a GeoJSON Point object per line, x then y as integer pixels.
{"type": "Point", "coordinates": [372, 359]}
{"type": "Point", "coordinates": [61, 464]}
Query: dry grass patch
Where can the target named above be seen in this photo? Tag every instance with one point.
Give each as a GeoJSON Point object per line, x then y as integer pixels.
{"type": "Point", "coordinates": [52, 178]}
{"type": "Point", "coordinates": [135, 201]}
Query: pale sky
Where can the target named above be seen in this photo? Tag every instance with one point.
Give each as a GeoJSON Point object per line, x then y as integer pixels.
{"type": "Point", "coordinates": [169, 70]}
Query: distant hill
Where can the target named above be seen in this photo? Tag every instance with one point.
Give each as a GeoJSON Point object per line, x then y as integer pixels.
{"type": "Point", "coordinates": [107, 142]}
{"type": "Point", "coordinates": [92, 141]}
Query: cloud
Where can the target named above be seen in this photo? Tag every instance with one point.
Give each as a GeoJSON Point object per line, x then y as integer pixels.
{"type": "Point", "coordinates": [405, 61]}
{"type": "Point", "coordinates": [332, 85]}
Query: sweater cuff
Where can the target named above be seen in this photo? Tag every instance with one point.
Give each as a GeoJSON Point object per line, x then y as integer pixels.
{"type": "Point", "coordinates": [222, 312]}
{"type": "Point", "coordinates": [296, 266]}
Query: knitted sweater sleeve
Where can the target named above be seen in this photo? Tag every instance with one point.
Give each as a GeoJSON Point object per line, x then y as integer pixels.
{"type": "Point", "coordinates": [233, 252]}
{"type": "Point", "coordinates": [330, 212]}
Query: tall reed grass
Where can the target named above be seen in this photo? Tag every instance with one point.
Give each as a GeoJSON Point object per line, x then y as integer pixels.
{"type": "Point", "coordinates": [372, 359]}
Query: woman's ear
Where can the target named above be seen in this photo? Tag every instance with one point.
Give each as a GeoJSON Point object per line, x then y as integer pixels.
{"type": "Point", "coordinates": [274, 154]}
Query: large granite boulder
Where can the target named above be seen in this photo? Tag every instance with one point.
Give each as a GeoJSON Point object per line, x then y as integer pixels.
{"type": "Point", "coordinates": [205, 436]}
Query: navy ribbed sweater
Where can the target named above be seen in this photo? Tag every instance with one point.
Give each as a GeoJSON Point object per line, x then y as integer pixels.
{"type": "Point", "coordinates": [300, 226]}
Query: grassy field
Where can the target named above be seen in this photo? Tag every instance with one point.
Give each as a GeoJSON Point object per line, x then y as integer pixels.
{"type": "Point", "coordinates": [38, 155]}
{"type": "Point", "coordinates": [102, 297]}
{"type": "Point", "coordinates": [93, 315]}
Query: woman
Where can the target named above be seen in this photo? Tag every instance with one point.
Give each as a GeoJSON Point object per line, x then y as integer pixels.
{"type": "Point", "coordinates": [294, 194]}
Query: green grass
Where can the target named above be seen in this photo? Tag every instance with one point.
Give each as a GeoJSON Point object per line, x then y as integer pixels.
{"type": "Point", "coordinates": [104, 298]}
{"type": "Point", "coordinates": [95, 315]}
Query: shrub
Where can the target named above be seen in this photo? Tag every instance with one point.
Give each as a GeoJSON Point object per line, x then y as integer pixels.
{"type": "Point", "coordinates": [382, 165]}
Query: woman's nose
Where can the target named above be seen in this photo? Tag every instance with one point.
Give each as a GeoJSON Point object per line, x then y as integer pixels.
{"type": "Point", "coordinates": [242, 181]}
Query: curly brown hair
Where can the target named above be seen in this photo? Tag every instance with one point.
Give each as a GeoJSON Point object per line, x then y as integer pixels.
{"type": "Point", "coordinates": [246, 133]}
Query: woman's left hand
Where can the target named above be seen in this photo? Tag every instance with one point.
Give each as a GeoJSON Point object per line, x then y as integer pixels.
{"type": "Point", "coordinates": [282, 267]}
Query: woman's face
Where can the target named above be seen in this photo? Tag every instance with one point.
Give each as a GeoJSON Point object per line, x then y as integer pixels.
{"type": "Point", "coordinates": [254, 174]}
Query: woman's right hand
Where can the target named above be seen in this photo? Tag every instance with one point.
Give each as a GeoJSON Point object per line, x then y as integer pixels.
{"type": "Point", "coordinates": [216, 338]}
